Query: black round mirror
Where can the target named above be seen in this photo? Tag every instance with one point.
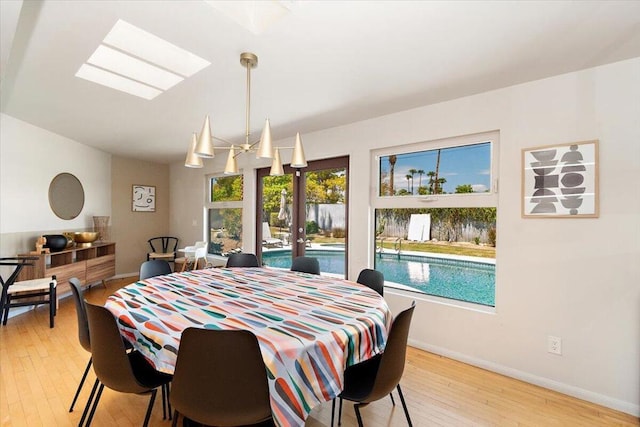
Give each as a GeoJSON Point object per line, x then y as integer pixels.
{"type": "Point", "coordinates": [66, 196]}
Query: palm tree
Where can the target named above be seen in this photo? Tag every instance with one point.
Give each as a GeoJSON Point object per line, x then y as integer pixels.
{"type": "Point", "coordinates": [437, 171]}
{"type": "Point", "coordinates": [409, 178]}
{"type": "Point", "coordinates": [420, 173]}
{"type": "Point", "coordinates": [431, 175]}
{"type": "Point", "coordinates": [392, 163]}
{"type": "Point", "coordinates": [412, 172]}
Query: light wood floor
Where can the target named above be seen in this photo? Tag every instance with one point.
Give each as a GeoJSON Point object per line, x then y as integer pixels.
{"type": "Point", "coordinates": [40, 369]}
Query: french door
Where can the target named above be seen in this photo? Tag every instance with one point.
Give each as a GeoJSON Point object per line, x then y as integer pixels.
{"type": "Point", "coordinates": [304, 212]}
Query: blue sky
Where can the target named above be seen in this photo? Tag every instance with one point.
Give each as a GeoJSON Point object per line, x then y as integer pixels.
{"type": "Point", "coordinates": [469, 164]}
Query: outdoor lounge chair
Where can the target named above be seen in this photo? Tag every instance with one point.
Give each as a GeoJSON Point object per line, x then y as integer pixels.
{"type": "Point", "coordinates": [267, 240]}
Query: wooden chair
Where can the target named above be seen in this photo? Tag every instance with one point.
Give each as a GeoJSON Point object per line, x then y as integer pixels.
{"type": "Point", "coordinates": [375, 378]}
{"type": "Point", "coordinates": [233, 391]}
{"type": "Point", "coordinates": [243, 260]}
{"type": "Point", "coordinates": [26, 293]}
{"type": "Point", "coordinates": [154, 267]}
{"type": "Point", "coordinates": [163, 247]}
{"type": "Point", "coordinates": [306, 264]}
{"type": "Point", "coordinates": [117, 369]}
{"type": "Point", "coordinates": [373, 279]}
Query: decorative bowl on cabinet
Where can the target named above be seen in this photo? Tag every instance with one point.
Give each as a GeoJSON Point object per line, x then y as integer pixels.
{"type": "Point", "coordinates": [55, 242]}
{"type": "Point", "coordinates": [85, 238]}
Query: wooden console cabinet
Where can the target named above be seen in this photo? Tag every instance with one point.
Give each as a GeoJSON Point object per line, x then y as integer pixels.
{"type": "Point", "coordinates": [90, 265]}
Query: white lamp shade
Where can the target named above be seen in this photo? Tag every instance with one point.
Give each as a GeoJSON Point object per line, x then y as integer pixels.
{"type": "Point", "coordinates": [193, 161]}
{"type": "Point", "coordinates": [298, 159]}
{"type": "Point", "coordinates": [276, 165]}
{"type": "Point", "coordinates": [265, 149]}
{"type": "Point", "coordinates": [232, 165]}
{"type": "Point", "coordinates": [204, 147]}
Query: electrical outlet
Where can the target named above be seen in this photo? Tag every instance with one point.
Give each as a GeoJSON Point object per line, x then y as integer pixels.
{"type": "Point", "coordinates": [554, 345]}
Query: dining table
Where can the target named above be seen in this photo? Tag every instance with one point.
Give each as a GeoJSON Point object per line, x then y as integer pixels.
{"type": "Point", "coordinates": [309, 327]}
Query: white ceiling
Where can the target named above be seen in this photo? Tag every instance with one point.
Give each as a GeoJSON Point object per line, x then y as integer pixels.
{"type": "Point", "coordinates": [325, 64]}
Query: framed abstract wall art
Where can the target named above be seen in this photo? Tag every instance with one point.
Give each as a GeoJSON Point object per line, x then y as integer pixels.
{"type": "Point", "coordinates": [144, 198]}
{"type": "Point", "coordinates": [560, 181]}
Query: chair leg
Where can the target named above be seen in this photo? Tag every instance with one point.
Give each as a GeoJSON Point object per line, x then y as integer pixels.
{"type": "Point", "coordinates": [333, 410]}
{"type": "Point", "coordinates": [7, 306]}
{"type": "Point", "coordinates": [95, 405]}
{"type": "Point", "coordinates": [340, 413]}
{"type": "Point", "coordinates": [166, 405]}
{"type": "Point", "coordinates": [175, 418]}
{"type": "Point", "coordinates": [164, 402]}
{"type": "Point", "coordinates": [89, 401]}
{"type": "Point", "coordinates": [393, 402]}
{"type": "Point", "coordinates": [2, 306]}
{"type": "Point", "coordinates": [52, 304]}
{"type": "Point", "coordinates": [167, 395]}
{"type": "Point", "coordinates": [150, 407]}
{"type": "Point", "coordinates": [404, 406]}
{"type": "Point", "coordinates": [84, 377]}
{"type": "Point", "coordinates": [356, 407]}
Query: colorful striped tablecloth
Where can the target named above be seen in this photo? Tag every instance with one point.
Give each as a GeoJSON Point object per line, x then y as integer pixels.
{"type": "Point", "coordinates": [310, 328]}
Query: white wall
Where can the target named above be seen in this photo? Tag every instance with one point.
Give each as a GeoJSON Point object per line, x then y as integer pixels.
{"type": "Point", "coordinates": [578, 279]}
{"type": "Point", "coordinates": [30, 157]}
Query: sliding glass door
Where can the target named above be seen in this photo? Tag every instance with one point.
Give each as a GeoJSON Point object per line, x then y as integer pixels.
{"type": "Point", "coordinates": [304, 212]}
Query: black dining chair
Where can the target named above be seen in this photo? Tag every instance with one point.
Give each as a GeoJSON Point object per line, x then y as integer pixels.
{"type": "Point", "coordinates": [306, 264]}
{"type": "Point", "coordinates": [154, 267]}
{"type": "Point", "coordinates": [243, 260]}
{"type": "Point", "coordinates": [83, 332]}
{"type": "Point", "coordinates": [83, 336]}
{"type": "Point", "coordinates": [375, 378]}
{"type": "Point", "coordinates": [233, 391]}
{"type": "Point", "coordinates": [117, 369]}
{"type": "Point", "coordinates": [373, 279]}
{"type": "Point", "coordinates": [26, 293]}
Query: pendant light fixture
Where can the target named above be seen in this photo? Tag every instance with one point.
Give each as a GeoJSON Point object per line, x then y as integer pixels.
{"type": "Point", "coordinates": [202, 145]}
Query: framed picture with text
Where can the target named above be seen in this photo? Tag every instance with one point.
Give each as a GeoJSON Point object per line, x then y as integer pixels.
{"type": "Point", "coordinates": [144, 198]}
{"type": "Point", "coordinates": [560, 181]}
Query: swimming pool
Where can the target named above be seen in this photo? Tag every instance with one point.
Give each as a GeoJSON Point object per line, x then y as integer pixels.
{"type": "Point", "coordinates": [468, 281]}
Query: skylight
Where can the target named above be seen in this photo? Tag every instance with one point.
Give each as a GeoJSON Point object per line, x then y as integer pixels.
{"type": "Point", "coordinates": [139, 63]}
{"type": "Point", "coordinates": [114, 81]}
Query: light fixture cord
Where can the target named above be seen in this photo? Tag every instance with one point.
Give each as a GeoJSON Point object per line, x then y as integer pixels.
{"type": "Point", "coordinates": [248, 65]}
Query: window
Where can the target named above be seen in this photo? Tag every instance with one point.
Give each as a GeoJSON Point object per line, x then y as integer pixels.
{"type": "Point", "coordinates": [445, 249]}
{"type": "Point", "coordinates": [451, 170]}
{"type": "Point", "coordinates": [224, 213]}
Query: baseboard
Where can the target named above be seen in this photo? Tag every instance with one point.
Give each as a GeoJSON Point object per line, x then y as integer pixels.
{"type": "Point", "coordinates": [123, 275]}
{"type": "Point", "coordinates": [589, 396]}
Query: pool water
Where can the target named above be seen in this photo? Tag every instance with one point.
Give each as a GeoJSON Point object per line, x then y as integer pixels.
{"type": "Point", "coordinates": [330, 261]}
{"type": "Point", "coordinates": [460, 280]}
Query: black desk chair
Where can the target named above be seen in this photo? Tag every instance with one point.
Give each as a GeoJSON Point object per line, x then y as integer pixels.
{"type": "Point", "coordinates": [163, 247]}
{"type": "Point", "coordinates": [13, 293]}
{"type": "Point", "coordinates": [373, 279]}
{"type": "Point", "coordinates": [306, 264]}
{"type": "Point", "coordinates": [375, 378]}
{"type": "Point", "coordinates": [243, 260]}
